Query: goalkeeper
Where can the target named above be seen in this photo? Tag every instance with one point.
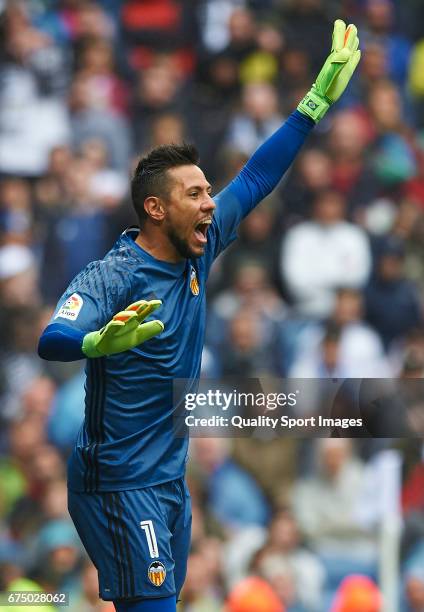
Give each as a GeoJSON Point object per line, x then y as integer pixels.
{"type": "Point", "coordinates": [127, 495]}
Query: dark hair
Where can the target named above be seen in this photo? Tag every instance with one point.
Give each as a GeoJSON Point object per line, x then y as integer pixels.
{"type": "Point", "coordinates": [150, 177]}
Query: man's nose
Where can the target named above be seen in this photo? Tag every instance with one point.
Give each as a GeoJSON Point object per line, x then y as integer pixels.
{"type": "Point", "coordinates": [208, 205]}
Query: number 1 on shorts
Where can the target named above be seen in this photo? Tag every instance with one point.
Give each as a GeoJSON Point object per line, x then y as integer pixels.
{"type": "Point", "coordinates": [149, 530]}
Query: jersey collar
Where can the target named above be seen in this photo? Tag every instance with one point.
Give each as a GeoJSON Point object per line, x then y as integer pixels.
{"type": "Point", "coordinates": [130, 235]}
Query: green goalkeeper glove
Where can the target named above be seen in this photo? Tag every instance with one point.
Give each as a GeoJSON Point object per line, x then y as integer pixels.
{"type": "Point", "coordinates": [335, 74]}
{"type": "Point", "coordinates": [125, 331]}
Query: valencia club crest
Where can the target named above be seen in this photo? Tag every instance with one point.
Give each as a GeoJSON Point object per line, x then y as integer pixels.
{"type": "Point", "coordinates": [156, 573]}
{"type": "Point", "coordinates": [194, 283]}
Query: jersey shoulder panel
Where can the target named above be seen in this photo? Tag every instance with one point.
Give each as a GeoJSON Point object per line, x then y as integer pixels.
{"type": "Point", "coordinates": [100, 290]}
{"type": "Point", "coordinates": [106, 280]}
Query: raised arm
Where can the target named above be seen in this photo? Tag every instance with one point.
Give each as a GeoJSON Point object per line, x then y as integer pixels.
{"type": "Point", "coordinates": [268, 164]}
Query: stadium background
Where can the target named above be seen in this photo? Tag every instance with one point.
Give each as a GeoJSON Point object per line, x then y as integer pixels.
{"type": "Point", "coordinates": [325, 280]}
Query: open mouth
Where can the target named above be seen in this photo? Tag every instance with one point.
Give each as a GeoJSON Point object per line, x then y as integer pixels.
{"type": "Point", "coordinates": [201, 230]}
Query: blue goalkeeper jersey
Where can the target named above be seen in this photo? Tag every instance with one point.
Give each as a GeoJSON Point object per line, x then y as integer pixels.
{"type": "Point", "coordinates": [127, 440]}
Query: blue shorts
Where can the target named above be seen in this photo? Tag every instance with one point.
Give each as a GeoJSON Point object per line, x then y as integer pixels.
{"type": "Point", "coordinates": [138, 539]}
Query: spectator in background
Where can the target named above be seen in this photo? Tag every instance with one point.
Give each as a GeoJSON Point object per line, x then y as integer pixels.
{"type": "Point", "coordinates": [344, 345]}
{"type": "Point", "coordinates": [312, 175]}
{"type": "Point", "coordinates": [58, 557]}
{"type": "Point", "coordinates": [69, 21]}
{"type": "Point", "coordinates": [325, 505]}
{"type": "Point", "coordinates": [373, 66]}
{"type": "Point", "coordinates": [307, 23]}
{"type": "Point", "coordinates": [27, 515]}
{"type": "Point", "coordinates": [328, 361]}
{"type": "Point", "coordinates": [213, 95]}
{"type": "Point", "coordinates": [25, 436]}
{"type": "Point", "coordinates": [16, 212]}
{"type": "Point", "coordinates": [37, 399]}
{"type": "Point", "coordinates": [50, 189]}
{"type": "Point", "coordinates": [18, 277]}
{"type": "Point", "coordinates": [283, 555]}
{"type": "Point", "coordinates": [258, 236]}
{"type": "Point", "coordinates": [233, 497]}
{"type": "Point", "coordinates": [296, 73]}
{"type": "Point", "coordinates": [67, 412]}
{"type": "Point", "coordinates": [242, 35]}
{"type": "Point", "coordinates": [392, 305]}
{"type": "Point", "coordinates": [351, 170]}
{"type": "Point", "coordinates": [414, 591]}
{"type": "Point", "coordinates": [416, 80]}
{"type": "Point", "coordinates": [322, 254]}
{"type": "Point", "coordinates": [32, 69]}
{"type": "Point", "coordinates": [160, 26]}
{"type": "Point", "coordinates": [54, 504]}
{"type": "Point", "coordinates": [393, 147]}
{"type": "Point", "coordinates": [158, 90]}
{"type": "Point", "coordinates": [253, 294]}
{"type": "Point", "coordinates": [270, 38]}
{"type": "Point", "coordinates": [262, 66]}
{"type": "Point", "coordinates": [214, 23]}
{"type": "Point", "coordinates": [380, 27]}
{"type": "Point", "coordinates": [96, 62]}
{"type": "Point", "coordinates": [107, 186]}
{"type": "Point", "coordinates": [47, 467]}
{"type": "Point", "coordinates": [166, 128]}
{"type": "Point", "coordinates": [88, 121]}
{"type": "Point", "coordinates": [413, 517]}
{"type": "Point", "coordinates": [407, 355]}
{"type": "Point", "coordinates": [250, 352]}
{"type": "Point", "coordinates": [20, 365]}
{"type": "Point", "coordinates": [257, 121]}
{"type": "Point", "coordinates": [275, 477]}
{"type": "Point", "coordinates": [408, 227]}
{"type": "Point", "coordinates": [77, 234]}
{"type": "Point", "coordinates": [200, 592]}
{"type": "Point", "coordinates": [413, 190]}
{"type": "Point", "coordinates": [88, 599]}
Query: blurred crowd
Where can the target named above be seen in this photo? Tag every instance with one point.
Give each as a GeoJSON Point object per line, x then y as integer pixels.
{"type": "Point", "coordinates": [326, 279]}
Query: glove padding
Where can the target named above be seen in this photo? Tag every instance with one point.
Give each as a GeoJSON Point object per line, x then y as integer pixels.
{"type": "Point", "coordinates": [125, 331]}
{"type": "Point", "coordinates": [335, 74]}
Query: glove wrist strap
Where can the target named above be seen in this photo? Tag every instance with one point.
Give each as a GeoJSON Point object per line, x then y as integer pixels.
{"type": "Point", "coordinates": [89, 346]}
{"type": "Point", "coordinates": [314, 105]}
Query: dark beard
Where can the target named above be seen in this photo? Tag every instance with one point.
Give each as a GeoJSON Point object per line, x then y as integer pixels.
{"type": "Point", "coordinates": [181, 245]}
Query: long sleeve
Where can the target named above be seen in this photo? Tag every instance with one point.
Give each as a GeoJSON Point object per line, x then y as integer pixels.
{"type": "Point", "coordinates": [257, 179]}
{"type": "Point", "coordinates": [61, 343]}
{"type": "Point", "coordinates": [268, 164]}
{"type": "Point", "coordinates": [91, 300]}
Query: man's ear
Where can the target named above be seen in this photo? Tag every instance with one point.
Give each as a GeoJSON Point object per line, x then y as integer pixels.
{"type": "Point", "coordinates": [154, 208]}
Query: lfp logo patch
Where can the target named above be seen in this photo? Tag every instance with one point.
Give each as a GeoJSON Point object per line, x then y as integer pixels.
{"type": "Point", "coordinates": [156, 573]}
{"type": "Point", "coordinates": [71, 308]}
{"type": "Point", "coordinates": [194, 283]}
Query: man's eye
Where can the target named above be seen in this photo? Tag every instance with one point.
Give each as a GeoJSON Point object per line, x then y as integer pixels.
{"type": "Point", "coordinates": [194, 194]}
